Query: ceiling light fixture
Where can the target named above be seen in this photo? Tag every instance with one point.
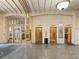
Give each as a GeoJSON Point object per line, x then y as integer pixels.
{"type": "Point", "coordinates": [62, 5]}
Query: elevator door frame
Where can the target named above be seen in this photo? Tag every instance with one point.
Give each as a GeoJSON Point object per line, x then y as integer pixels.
{"type": "Point", "coordinates": [70, 35]}
{"type": "Point", "coordinates": [55, 37]}
{"type": "Point", "coordinates": [36, 40]}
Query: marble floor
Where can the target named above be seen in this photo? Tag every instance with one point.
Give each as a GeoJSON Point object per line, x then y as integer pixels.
{"type": "Point", "coordinates": [39, 51]}
{"type": "Point", "coordinates": [51, 52]}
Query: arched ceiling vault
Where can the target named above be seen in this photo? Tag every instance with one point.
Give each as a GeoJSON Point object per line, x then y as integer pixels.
{"type": "Point", "coordinates": [34, 6]}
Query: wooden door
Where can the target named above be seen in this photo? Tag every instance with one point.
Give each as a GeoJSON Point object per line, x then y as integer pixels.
{"type": "Point", "coordinates": [68, 35]}
{"type": "Point", "coordinates": [38, 35]}
{"type": "Point", "coordinates": [30, 34]}
{"type": "Point", "coordinates": [53, 35]}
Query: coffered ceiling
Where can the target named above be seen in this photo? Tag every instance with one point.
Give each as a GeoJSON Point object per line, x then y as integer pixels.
{"type": "Point", "coordinates": [33, 6]}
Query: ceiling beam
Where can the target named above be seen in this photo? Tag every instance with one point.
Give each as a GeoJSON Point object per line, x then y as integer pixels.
{"type": "Point", "coordinates": [17, 6]}
{"type": "Point", "coordinates": [27, 6]}
{"type": "Point", "coordinates": [39, 6]}
{"type": "Point", "coordinates": [6, 6]}
{"type": "Point", "coordinates": [21, 2]}
{"type": "Point", "coordinates": [33, 6]}
{"type": "Point", "coordinates": [44, 5]}
{"type": "Point", "coordinates": [2, 10]}
{"type": "Point", "coordinates": [50, 5]}
{"type": "Point", "coordinates": [11, 6]}
{"type": "Point", "coordinates": [24, 6]}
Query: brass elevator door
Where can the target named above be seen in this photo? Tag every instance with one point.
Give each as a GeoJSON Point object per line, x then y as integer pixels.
{"type": "Point", "coordinates": [68, 35]}
{"type": "Point", "coordinates": [38, 35]}
{"type": "Point", "coordinates": [53, 35]}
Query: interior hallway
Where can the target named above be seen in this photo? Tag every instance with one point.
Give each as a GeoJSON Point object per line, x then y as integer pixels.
{"type": "Point", "coordinates": [39, 29]}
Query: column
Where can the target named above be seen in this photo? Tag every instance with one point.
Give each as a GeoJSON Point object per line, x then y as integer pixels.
{"type": "Point", "coordinates": [74, 24]}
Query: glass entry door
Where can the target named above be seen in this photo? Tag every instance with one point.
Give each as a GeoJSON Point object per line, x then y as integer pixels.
{"type": "Point", "coordinates": [17, 33]}
{"type": "Point", "coordinates": [16, 29]}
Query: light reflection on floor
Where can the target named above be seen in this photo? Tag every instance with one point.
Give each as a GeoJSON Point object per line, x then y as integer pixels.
{"type": "Point", "coordinates": [51, 52]}
{"type": "Point", "coordinates": [46, 52]}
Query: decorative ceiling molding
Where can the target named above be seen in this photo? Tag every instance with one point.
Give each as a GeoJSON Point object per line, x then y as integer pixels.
{"type": "Point", "coordinates": [44, 5]}
{"type": "Point", "coordinates": [54, 13]}
{"type": "Point", "coordinates": [6, 6]}
{"type": "Point", "coordinates": [27, 6]}
{"type": "Point", "coordinates": [50, 5]}
{"type": "Point", "coordinates": [11, 6]}
{"type": "Point", "coordinates": [16, 6]}
{"type": "Point", "coordinates": [4, 9]}
{"type": "Point", "coordinates": [6, 15]}
{"type": "Point", "coordinates": [33, 6]}
{"type": "Point", "coordinates": [39, 6]}
{"type": "Point", "coordinates": [21, 2]}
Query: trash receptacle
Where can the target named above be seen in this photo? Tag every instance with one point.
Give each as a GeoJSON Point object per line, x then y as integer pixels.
{"type": "Point", "coordinates": [46, 40]}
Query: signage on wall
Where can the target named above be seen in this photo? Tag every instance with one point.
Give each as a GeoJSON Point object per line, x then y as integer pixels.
{"type": "Point", "coordinates": [60, 30]}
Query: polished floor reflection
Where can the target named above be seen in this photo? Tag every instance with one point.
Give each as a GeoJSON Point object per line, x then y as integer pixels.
{"type": "Point", "coordinates": [51, 52]}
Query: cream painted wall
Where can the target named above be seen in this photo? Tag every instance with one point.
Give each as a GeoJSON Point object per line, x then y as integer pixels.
{"type": "Point", "coordinates": [77, 22]}
{"type": "Point", "coordinates": [46, 21]}
{"type": "Point", "coordinates": [1, 25]}
{"type": "Point", "coordinates": [77, 31]}
{"type": "Point", "coordinates": [3, 28]}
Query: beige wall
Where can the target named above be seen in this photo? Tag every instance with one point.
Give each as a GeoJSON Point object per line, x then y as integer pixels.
{"type": "Point", "coordinates": [77, 22]}
{"type": "Point", "coordinates": [1, 25]}
{"type": "Point", "coordinates": [76, 40]}
{"type": "Point", "coordinates": [3, 28]}
{"type": "Point", "coordinates": [46, 21]}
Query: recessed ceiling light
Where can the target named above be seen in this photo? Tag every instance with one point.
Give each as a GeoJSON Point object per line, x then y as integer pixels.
{"type": "Point", "coordinates": [63, 5]}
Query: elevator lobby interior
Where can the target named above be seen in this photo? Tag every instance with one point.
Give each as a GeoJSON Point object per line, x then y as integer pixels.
{"type": "Point", "coordinates": [39, 29]}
